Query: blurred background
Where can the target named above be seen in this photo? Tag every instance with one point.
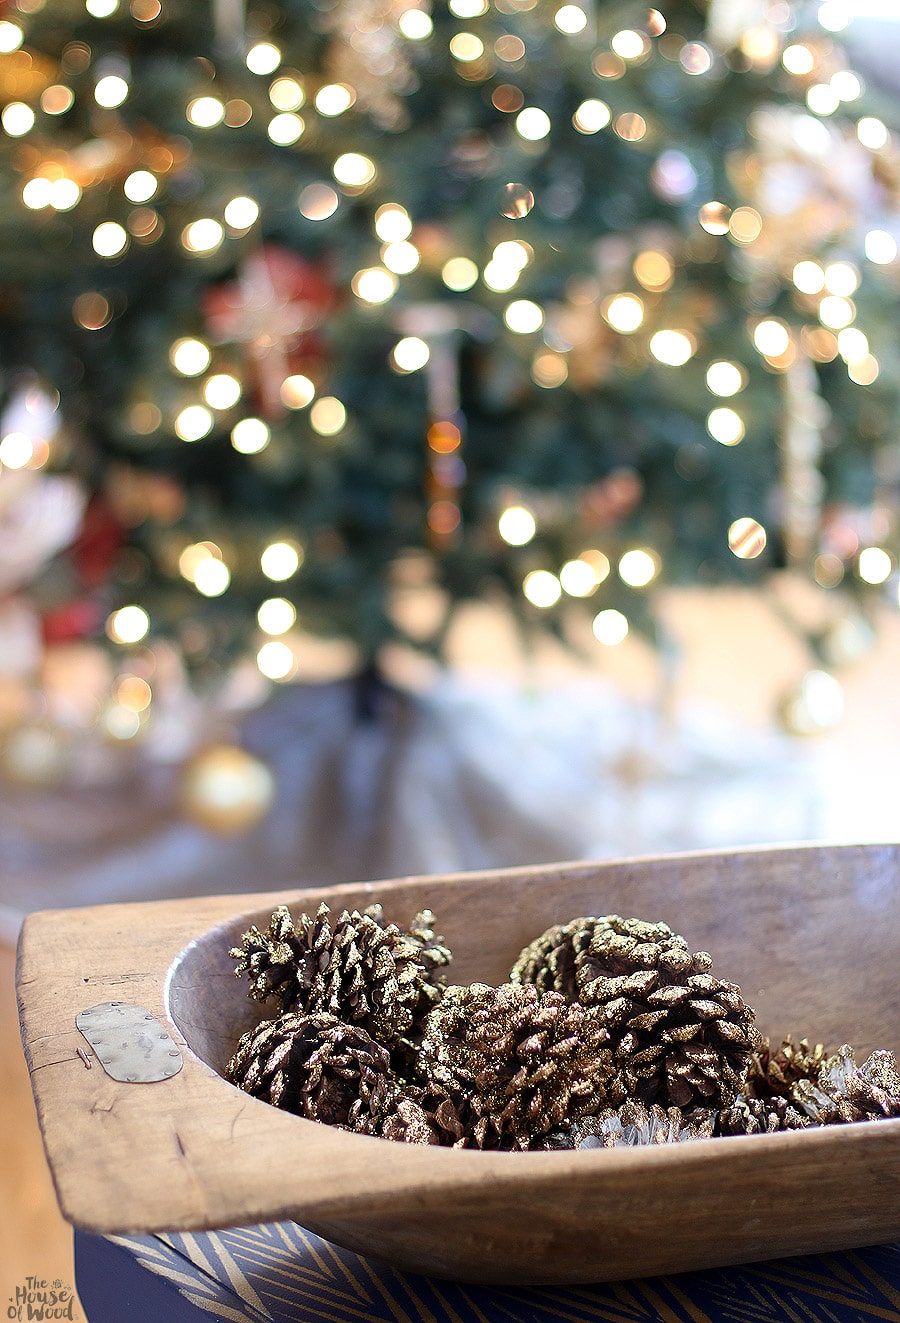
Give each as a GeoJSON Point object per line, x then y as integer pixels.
{"type": "Point", "coordinates": [436, 436]}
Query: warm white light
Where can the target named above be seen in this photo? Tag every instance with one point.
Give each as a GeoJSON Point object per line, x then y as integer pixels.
{"type": "Point", "coordinates": [17, 119]}
{"type": "Point", "coordinates": [212, 577]}
{"type": "Point", "coordinates": [101, 8]}
{"type": "Point", "coordinates": [392, 223]}
{"type": "Point", "coordinates": [110, 91]}
{"type": "Point", "coordinates": [523, 317]}
{"type": "Point", "coordinates": [592, 116]}
{"type": "Point", "coordinates": [241, 213]}
{"type": "Point", "coordinates": [140, 186]}
{"type": "Point", "coordinates": [881, 247]}
{"type": "Point", "coordinates": [798, 59]}
{"type": "Point", "coordinates": [297, 391]}
{"type": "Point", "coordinates": [853, 344]}
{"type": "Point", "coordinates": [549, 370]}
{"type": "Point", "coordinates": [725, 426]}
{"type": "Point", "coordinates": [841, 278]}
{"type": "Point", "coordinates": [465, 46]}
{"type": "Point", "coordinates": [517, 525]}
{"type": "Point", "coordinates": [695, 58]}
{"type": "Point", "coordinates": [578, 578]}
{"type": "Point", "coordinates": [64, 194]}
{"type": "Point", "coordinates": [280, 560]}
{"type": "Point", "coordinates": [190, 357]}
{"type": "Point", "coordinates": [771, 338]}
{"type": "Point", "coordinates": [193, 423]}
{"type": "Point", "coordinates": [206, 112]}
{"type": "Point", "coordinates": [835, 312]}
{"type": "Point", "coordinates": [263, 58]}
{"type": "Point", "coordinates": [570, 19]}
{"type": "Point", "coordinates": [630, 44]}
{"type": "Point", "coordinates": [725, 379]}
{"type": "Point", "coordinates": [847, 85]}
{"type": "Point", "coordinates": [673, 348]}
{"type": "Point", "coordinates": [542, 588]}
{"type": "Point", "coordinates": [328, 416]}
{"type": "Point", "coordinates": [467, 8]}
{"type": "Point", "coordinates": [459, 273]}
{"type": "Point", "coordinates": [11, 37]}
{"type": "Point", "coordinates": [286, 94]}
{"type": "Point", "coordinates": [109, 239]}
{"type": "Point", "coordinates": [202, 236]}
{"type": "Point", "coordinates": [501, 278]}
{"type": "Point", "coordinates": [410, 354]}
{"type": "Point", "coordinates": [334, 98]}
{"type": "Point", "coordinates": [415, 24]}
{"type": "Point", "coordinates": [374, 285]}
{"type": "Point", "coordinates": [808, 277]}
{"type": "Point", "coordinates": [353, 170]}
{"type": "Point", "coordinates": [401, 258]}
{"type": "Point", "coordinates": [610, 627]}
{"type": "Point", "coordinates": [864, 371]}
{"type": "Point", "coordinates": [250, 436]}
{"type": "Point", "coordinates": [715, 217]}
{"type": "Point", "coordinates": [532, 123]}
{"type": "Point", "coordinates": [833, 15]}
{"type": "Point", "coordinates": [874, 565]}
{"type": "Point", "coordinates": [822, 99]}
{"type": "Point", "coordinates": [637, 568]}
{"type": "Point", "coordinates": [16, 450]}
{"type": "Point", "coordinates": [872, 133]}
{"type": "Point", "coordinates": [275, 660]}
{"type": "Point", "coordinates": [513, 254]}
{"type": "Point", "coordinates": [276, 615]}
{"type": "Point", "coordinates": [128, 625]}
{"type": "Point", "coordinates": [285, 129]}
{"type": "Point", "coordinates": [222, 391]}
{"type": "Point", "coordinates": [37, 193]}
{"type": "Point", "coordinates": [625, 313]}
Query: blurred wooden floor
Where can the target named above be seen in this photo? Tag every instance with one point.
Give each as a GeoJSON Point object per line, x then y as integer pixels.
{"type": "Point", "coordinates": [34, 1239]}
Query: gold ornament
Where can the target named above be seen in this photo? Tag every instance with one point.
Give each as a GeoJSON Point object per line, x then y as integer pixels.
{"type": "Point", "coordinates": [226, 790]}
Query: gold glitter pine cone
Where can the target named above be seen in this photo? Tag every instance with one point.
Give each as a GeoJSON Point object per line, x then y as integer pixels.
{"type": "Point", "coordinates": [748, 1115]}
{"type": "Point", "coordinates": [316, 1066]}
{"type": "Point", "coordinates": [774, 1071]}
{"type": "Point", "coordinates": [514, 1062]}
{"type": "Point", "coordinates": [633, 1124]}
{"type": "Point", "coordinates": [845, 1091]}
{"type": "Point", "coordinates": [358, 968]}
{"type": "Point", "coordinates": [680, 1036]}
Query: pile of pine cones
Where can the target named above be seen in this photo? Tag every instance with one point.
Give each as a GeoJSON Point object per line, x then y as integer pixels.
{"type": "Point", "coordinates": [610, 1031]}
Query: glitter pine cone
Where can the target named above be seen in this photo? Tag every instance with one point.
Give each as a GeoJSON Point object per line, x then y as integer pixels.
{"type": "Point", "coordinates": [680, 1037]}
{"type": "Point", "coordinates": [357, 968]}
{"type": "Point", "coordinates": [632, 1125]}
{"type": "Point", "coordinates": [846, 1092]}
{"type": "Point", "coordinates": [316, 1066]}
{"type": "Point", "coordinates": [514, 1062]}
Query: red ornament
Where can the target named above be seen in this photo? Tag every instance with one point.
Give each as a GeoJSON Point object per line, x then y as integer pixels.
{"type": "Point", "coordinates": [273, 309]}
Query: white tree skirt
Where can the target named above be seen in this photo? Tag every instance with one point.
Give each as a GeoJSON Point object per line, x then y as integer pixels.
{"type": "Point", "coordinates": [466, 776]}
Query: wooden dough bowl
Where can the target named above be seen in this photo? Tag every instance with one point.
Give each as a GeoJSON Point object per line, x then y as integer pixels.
{"type": "Point", "coordinates": [811, 934]}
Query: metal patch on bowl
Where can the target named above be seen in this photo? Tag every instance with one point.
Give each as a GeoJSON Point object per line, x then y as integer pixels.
{"type": "Point", "coordinates": [131, 1045]}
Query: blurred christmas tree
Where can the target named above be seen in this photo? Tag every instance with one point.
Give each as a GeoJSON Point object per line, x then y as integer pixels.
{"type": "Point", "coordinates": [564, 300]}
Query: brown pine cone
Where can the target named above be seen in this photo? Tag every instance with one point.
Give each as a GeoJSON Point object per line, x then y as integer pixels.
{"type": "Point", "coordinates": [415, 1115]}
{"type": "Point", "coordinates": [680, 1036]}
{"type": "Point", "coordinates": [283, 962]}
{"type": "Point", "coordinates": [315, 1066]}
{"type": "Point", "coordinates": [634, 1124]}
{"type": "Point", "coordinates": [774, 1073]}
{"type": "Point", "coordinates": [360, 969]}
{"type": "Point", "coordinates": [847, 1092]}
{"type": "Point", "coordinates": [748, 1115]}
{"type": "Point", "coordinates": [514, 1062]}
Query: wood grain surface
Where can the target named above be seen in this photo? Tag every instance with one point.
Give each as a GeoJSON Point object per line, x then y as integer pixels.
{"type": "Point", "coordinates": [812, 935]}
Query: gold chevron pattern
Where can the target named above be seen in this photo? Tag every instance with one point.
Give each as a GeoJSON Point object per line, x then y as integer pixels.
{"type": "Point", "coordinates": [280, 1273]}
